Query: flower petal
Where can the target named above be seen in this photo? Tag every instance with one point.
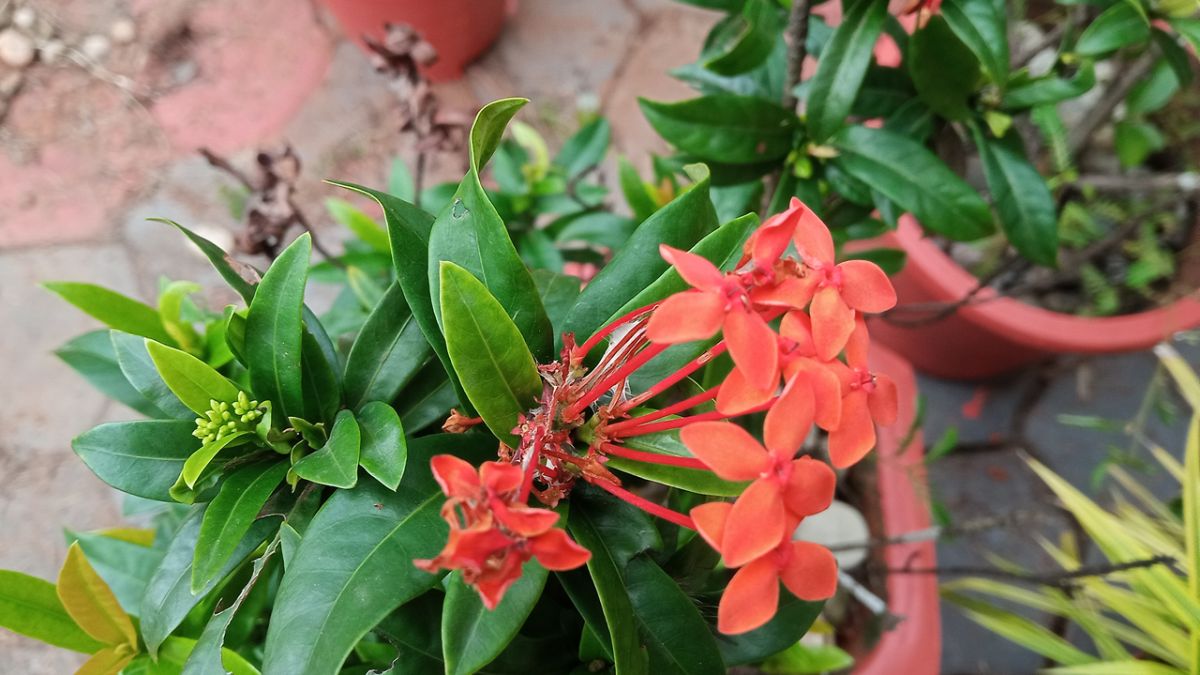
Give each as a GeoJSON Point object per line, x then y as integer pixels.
{"type": "Point", "coordinates": [794, 292]}
{"type": "Point", "coordinates": [882, 401]}
{"type": "Point", "coordinates": [756, 524]}
{"type": "Point", "coordinates": [827, 390]}
{"type": "Point", "coordinates": [771, 239]}
{"type": "Point", "coordinates": [813, 240]}
{"type": "Point", "coordinates": [789, 420]}
{"type": "Point", "coordinates": [858, 344]}
{"type": "Point", "coordinates": [797, 327]}
{"type": "Point", "coordinates": [455, 476]}
{"type": "Point", "coordinates": [710, 520]}
{"type": "Point", "coordinates": [526, 521]}
{"type": "Point", "coordinates": [832, 322]}
{"type": "Point", "coordinates": [686, 316]}
{"type": "Point", "coordinates": [696, 270]}
{"type": "Point", "coordinates": [729, 450]}
{"type": "Point", "coordinates": [737, 394]}
{"type": "Point", "coordinates": [556, 551]}
{"type": "Point", "coordinates": [855, 436]}
{"type": "Point", "coordinates": [501, 477]}
{"type": "Point", "coordinates": [753, 346]}
{"type": "Point", "coordinates": [810, 487]}
{"type": "Point", "coordinates": [495, 582]}
{"type": "Point", "coordinates": [811, 571]}
{"type": "Point", "coordinates": [865, 287]}
{"type": "Point", "coordinates": [750, 598]}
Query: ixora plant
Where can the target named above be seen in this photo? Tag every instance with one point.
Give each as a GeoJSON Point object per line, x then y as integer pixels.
{"type": "Point", "coordinates": [617, 498]}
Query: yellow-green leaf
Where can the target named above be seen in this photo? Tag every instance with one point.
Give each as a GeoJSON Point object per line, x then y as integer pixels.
{"type": "Point", "coordinates": [91, 603]}
{"type": "Point", "coordinates": [108, 661]}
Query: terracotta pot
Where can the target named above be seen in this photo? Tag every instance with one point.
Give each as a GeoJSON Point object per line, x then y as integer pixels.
{"type": "Point", "coordinates": [914, 647]}
{"type": "Point", "coordinates": [460, 30]}
{"type": "Point", "coordinates": [992, 334]}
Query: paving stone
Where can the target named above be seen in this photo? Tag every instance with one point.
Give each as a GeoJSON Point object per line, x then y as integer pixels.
{"type": "Point", "coordinates": [979, 412]}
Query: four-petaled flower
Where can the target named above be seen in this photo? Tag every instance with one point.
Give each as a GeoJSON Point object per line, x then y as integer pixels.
{"type": "Point", "coordinates": [492, 534]}
{"type": "Point", "coordinates": [867, 398]}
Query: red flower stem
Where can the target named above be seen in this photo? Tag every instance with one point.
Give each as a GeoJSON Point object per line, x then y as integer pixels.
{"type": "Point", "coordinates": [652, 457]}
{"type": "Point", "coordinates": [615, 356]}
{"type": "Point", "coordinates": [681, 422]}
{"type": "Point", "coordinates": [646, 505]}
{"type": "Point", "coordinates": [631, 366]}
{"type": "Point", "coordinates": [687, 403]}
{"type": "Point", "coordinates": [591, 343]}
{"type": "Point", "coordinates": [674, 378]}
{"type": "Point", "coordinates": [527, 482]}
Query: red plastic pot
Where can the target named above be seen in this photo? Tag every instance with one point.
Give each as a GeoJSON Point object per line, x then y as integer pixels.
{"type": "Point", "coordinates": [460, 30]}
{"type": "Point", "coordinates": [914, 647]}
{"type": "Point", "coordinates": [992, 334]}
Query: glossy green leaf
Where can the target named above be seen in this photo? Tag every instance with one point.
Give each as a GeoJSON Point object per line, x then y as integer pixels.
{"type": "Point", "coordinates": [1134, 141]}
{"type": "Point", "coordinates": [684, 221]}
{"type": "Point", "coordinates": [1188, 28]}
{"type": "Point", "coordinates": [1118, 26]}
{"type": "Point", "coordinates": [473, 635]}
{"type": "Point", "coordinates": [384, 452]}
{"type": "Point", "coordinates": [354, 565]}
{"type": "Point", "coordinates": [168, 597]}
{"type": "Point", "coordinates": [108, 661]}
{"type": "Point", "coordinates": [195, 466]}
{"type": "Point", "coordinates": [943, 69]}
{"type": "Point", "coordinates": [1050, 89]}
{"type": "Point", "coordinates": [427, 399]}
{"type": "Point", "coordinates": [415, 629]}
{"type": "Point", "coordinates": [91, 603]}
{"type": "Point", "coordinates": [724, 128]}
{"type": "Point", "coordinates": [363, 226]}
{"type": "Point", "coordinates": [125, 566]}
{"type": "Point", "coordinates": [318, 381]}
{"type": "Point", "coordinates": [699, 481]}
{"type": "Point", "coordinates": [791, 621]}
{"type": "Point", "coordinates": [30, 606]}
{"type": "Point", "coordinates": [983, 27]}
{"type": "Point", "coordinates": [92, 356]}
{"type": "Point", "coordinates": [139, 370]}
{"type": "Point", "coordinates": [1021, 197]}
{"type": "Point", "coordinates": [1154, 91]}
{"type": "Point", "coordinates": [596, 228]}
{"type": "Point", "coordinates": [230, 515]}
{"type": "Point", "coordinates": [585, 148]}
{"type": "Point", "coordinates": [916, 180]}
{"type": "Point", "coordinates": [490, 357]}
{"type": "Point", "coordinates": [233, 272]}
{"type": "Point", "coordinates": [748, 39]}
{"type": "Point", "coordinates": [112, 309]}
{"type": "Point", "coordinates": [637, 195]}
{"type": "Point", "coordinates": [843, 65]}
{"type": "Point", "coordinates": [539, 252]}
{"type": "Point", "coordinates": [170, 310]}
{"type": "Point", "coordinates": [471, 234]}
{"type": "Point", "coordinates": [336, 463]}
{"type": "Point", "coordinates": [274, 330]}
{"type": "Point", "coordinates": [890, 260]}
{"type": "Point", "coordinates": [208, 657]}
{"type": "Point", "coordinates": [678, 638]}
{"type": "Point", "coordinates": [174, 655]}
{"type": "Point", "coordinates": [1177, 57]}
{"type": "Point", "coordinates": [141, 458]}
{"type": "Point", "coordinates": [193, 381]}
{"type": "Point", "coordinates": [559, 293]}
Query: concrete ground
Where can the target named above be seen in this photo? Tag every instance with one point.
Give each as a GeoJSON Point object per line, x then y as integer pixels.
{"type": "Point", "coordinates": [92, 145]}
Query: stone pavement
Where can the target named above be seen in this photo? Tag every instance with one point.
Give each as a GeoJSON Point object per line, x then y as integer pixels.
{"type": "Point", "coordinates": [88, 152]}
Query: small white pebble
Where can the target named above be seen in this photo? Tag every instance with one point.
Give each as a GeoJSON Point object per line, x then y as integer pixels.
{"type": "Point", "coordinates": [24, 18]}
{"type": "Point", "coordinates": [95, 47]}
{"type": "Point", "coordinates": [123, 31]}
{"type": "Point", "coordinates": [16, 49]}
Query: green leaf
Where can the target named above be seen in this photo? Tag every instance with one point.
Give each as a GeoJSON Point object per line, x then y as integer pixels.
{"type": "Point", "coordinates": [637, 195]}
{"type": "Point", "coordinates": [943, 69]}
{"type": "Point", "coordinates": [596, 228]}
{"type": "Point", "coordinates": [193, 381]}
{"type": "Point", "coordinates": [168, 597]}
{"type": "Point", "coordinates": [1118, 26]}
{"type": "Point", "coordinates": [112, 309]}
{"type": "Point", "coordinates": [559, 293]}
{"type": "Point", "coordinates": [916, 180]}
{"type": "Point", "coordinates": [747, 40]}
{"type": "Point", "coordinates": [1050, 89]}
{"type": "Point", "coordinates": [336, 463]}
{"type": "Point", "coordinates": [91, 603]}
{"type": "Point", "coordinates": [318, 381]}
{"type": "Point", "coordinates": [724, 128]}
{"type": "Point", "coordinates": [1021, 197]}
{"type": "Point", "coordinates": [472, 635]}
{"type": "Point", "coordinates": [170, 310]}
{"type": "Point", "coordinates": [124, 565]}
{"type": "Point", "coordinates": [363, 226]}
{"type": "Point", "coordinates": [230, 515]}
{"type": "Point", "coordinates": [384, 452]}
{"type": "Point", "coordinates": [1189, 29]}
{"type": "Point", "coordinates": [1154, 91]}
{"type": "Point", "coordinates": [614, 532]}
{"type": "Point", "coordinates": [681, 223]}
{"type": "Point", "coordinates": [30, 606]}
{"type": "Point", "coordinates": [108, 661]}
{"type": "Point", "coordinates": [667, 443]}
{"type": "Point", "coordinates": [92, 356]}
{"type": "Point", "coordinates": [890, 260]}
{"type": "Point", "coordinates": [1179, 58]}
{"type": "Point", "coordinates": [791, 621]}
{"type": "Point", "coordinates": [174, 655]}
{"type": "Point", "coordinates": [195, 466]}
{"type": "Point", "coordinates": [678, 638]}
{"type": "Point", "coordinates": [274, 330]}
{"type": "Point", "coordinates": [982, 25]}
{"type": "Point", "coordinates": [490, 357]}
{"type": "Point", "coordinates": [539, 252]}
{"type": "Point", "coordinates": [801, 659]}
{"type": "Point", "coordinates": [1135, 141]}
{"type": "Point", "coordinates": [140, 458]}
{"type": "Point", "coordinates": [139, 370]}
{"type": "Point", "coordinates": [400, 180]}
{"type": "Point", "coordinates": [585, 149]}
{"type": "Point", "coordinates": [354, 564]}
{"type": "Point", "coordinates": [471, 234]}
{"type": "Point", "coordinates": [208, 657]}
{"type": "Point", "coordinates": [427, 400]}
{"type": "Point", "coordinates": [843, 65]}
{"type": "Point", "coordinates": [233, 272]}
{"type": "Point", "coordinates": [386, 354]}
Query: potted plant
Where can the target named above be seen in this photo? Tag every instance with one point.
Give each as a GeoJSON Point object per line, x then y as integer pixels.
{"type": "Point", "coordinates": [898, 143]}
{"type": "Point", "coordinates": [616, 483]}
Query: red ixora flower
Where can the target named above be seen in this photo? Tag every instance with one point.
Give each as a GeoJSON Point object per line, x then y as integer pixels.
{"type": "Point", "coordinates": [867, 398]}
{"type": "Point", "coordinates": [492, 534]}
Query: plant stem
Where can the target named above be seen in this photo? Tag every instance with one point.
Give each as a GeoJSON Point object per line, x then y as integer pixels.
{"type": "Point", "coordinates": [1061, 579]}
{"type": "Point", "coordinates": [1097, 115]}
{"type": "Point", "coordinates": [652, 457]}
{"type": "Point", "coordinates": [645, 504]}
{"type": "Point", "coordinates": [795, 36]}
